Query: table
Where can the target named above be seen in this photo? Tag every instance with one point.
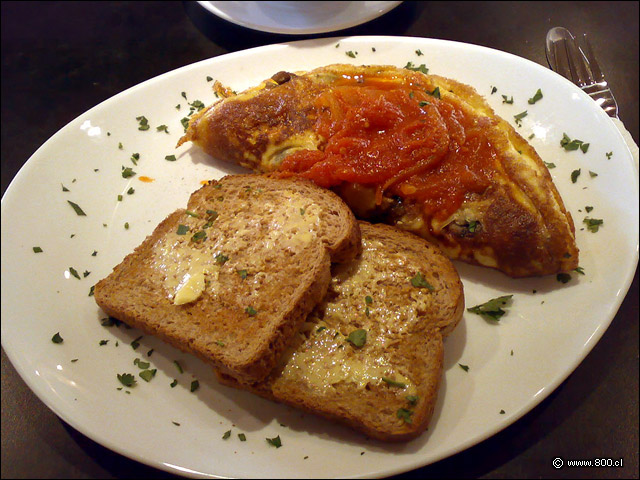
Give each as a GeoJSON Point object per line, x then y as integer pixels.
{"type": "Point", "coordinates": [61, 58]}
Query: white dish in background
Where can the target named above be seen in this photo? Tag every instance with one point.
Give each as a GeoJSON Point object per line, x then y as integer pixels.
{"type": "Point", "coordinates": [512, 366]}
{"type": "Point", "coordinates": [297, 18]}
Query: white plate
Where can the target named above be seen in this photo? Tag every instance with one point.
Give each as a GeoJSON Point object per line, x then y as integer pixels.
{"type": "Point", "coordinates": [297, 18]}
{"type": "Point", "coordinates": [512, 366]}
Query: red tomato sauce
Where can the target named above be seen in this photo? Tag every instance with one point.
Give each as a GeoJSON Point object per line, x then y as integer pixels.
{"type": "Point", "coordinates": [401, 139]}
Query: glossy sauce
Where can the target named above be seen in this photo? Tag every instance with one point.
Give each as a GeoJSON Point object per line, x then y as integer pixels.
{"type": "Point", "coordinates": [396, 135]}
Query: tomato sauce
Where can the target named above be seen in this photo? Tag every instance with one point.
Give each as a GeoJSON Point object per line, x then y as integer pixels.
{"type": "Point", "coordinates": [401, 138]}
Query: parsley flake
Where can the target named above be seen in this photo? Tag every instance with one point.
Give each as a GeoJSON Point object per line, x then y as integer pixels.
{"type": "Point", "coordinates": [593, 224]}
{"type": "Point", "coordinates": [404, 414]}
{"type": "Point", "coordinates": [536, 97]}
{"type": "Point", "coordinates": [57, 338]}
{"type": "Point", "coordinates": [37, 250]}
{"type": "Point", "coordinates": [419, 282]}
{"type": "Point", "coordinates": [492, 309]}
{"type": "Point", "coordinates": [275, 442]}
{"type": "Point", "coordinates": [77, 209]}
{"type": "Point", "coordinates": [127, 379]}
{"type": "Point", "coordinates": [422, 68]}
{"type": "Point", "coordinates": [464, 367]}
{"type": "Point", "coordinates": [358, 337]}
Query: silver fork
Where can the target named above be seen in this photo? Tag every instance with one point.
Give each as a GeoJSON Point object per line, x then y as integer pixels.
{"type": "Point", "coordinates": [574, 59]}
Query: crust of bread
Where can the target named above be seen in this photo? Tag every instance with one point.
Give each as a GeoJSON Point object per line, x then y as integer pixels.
{"type": "Point", "coordinates": [263, 270]}
{"type": "Point", "coordinates": [324, 373]}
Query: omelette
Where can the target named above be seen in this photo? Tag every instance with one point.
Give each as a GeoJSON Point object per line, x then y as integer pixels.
{"type": "Point", "coordinates": [424, 153]}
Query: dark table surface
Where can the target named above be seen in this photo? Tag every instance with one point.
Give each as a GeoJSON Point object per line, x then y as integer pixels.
{"type": "Point", "coordinates": [61, 58]}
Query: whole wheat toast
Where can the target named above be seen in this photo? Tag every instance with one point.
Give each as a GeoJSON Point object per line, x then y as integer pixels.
{"type": "Point", "coordinates": [371, 354]}
{"type": "Point", "coordinates": [231, 278]}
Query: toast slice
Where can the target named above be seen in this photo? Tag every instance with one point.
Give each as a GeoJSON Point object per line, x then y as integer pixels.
{"type": "Point", "coordinates": [371, 354]}
{"type": "Point", "coordinates": [232, 278]}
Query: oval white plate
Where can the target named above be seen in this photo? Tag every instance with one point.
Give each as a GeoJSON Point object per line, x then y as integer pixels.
{"type": "Point", "coordinates": [512, 365]}
{"type": "Point", "coordinates": [297, 18]}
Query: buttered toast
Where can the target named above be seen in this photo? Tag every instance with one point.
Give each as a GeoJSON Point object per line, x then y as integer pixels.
{"type": "Point", "coordinates": [232, 278]}
{"type": "Point", "coordinates": [371, 354]}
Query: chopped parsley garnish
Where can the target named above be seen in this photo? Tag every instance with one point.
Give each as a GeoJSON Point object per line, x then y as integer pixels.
{"type": "Point", "coordinates": [507, 100]}
{"type": "Point", "coordinates": [242, 273]}
{"type": "Point", "coordinates": [588, 208]}
{"type": "Point", "coordinates": [127, 379]}
{"type": "Point", "coordinates": [358, 337]}
{"type": "Point", "coordinates": [127, 172]}
{"type": "Point", "coordinates": [592, 174]}
{"type": "Point", "coordinates": [141, 365]}
{"type": "Point", "coordinates": [209, 78]}
{"type": "Point", "coordinates": [74, 272]}
{"type": "Point", "coordinates": [91, 290]}
{"type": "Point", "coordinates": [502, 412]}
{"type": "Point", "coordinates": [194, 386]}
{"type": "Point", "coordinates": [103, 342]}
{"type": "Point", "coordinates": [185, 122]}
{"type": "Point", "coordinates": [64, 189]}
{"type": "Point", "coordinates": [424, 103]}
{"type": "Point", "coordinates": [593, 224]}
{"type": "Point", "coordinates": [120, 197]}
{"type": "Point", "coordinates": [368, 300]}
{"type": "Point", "coordinates": [419, 282]}
{"type": "Point", "coordinates": [219, 343]}
{"type": "Point", "coordinates": [493, 90]}
{"type": "Point", "coordinates": [120, 147]}
{"type": "Point", "coordinates": [519, 118]}
{"type": "Point", "coordinates": [464, 367]}
{"type": "Point", "coordinates": [242, 437]}
{"type": "Point", "coordinates": [350, 54]}
{"type": "Point", "coordinates": [57, 338]}
{"type": "Point", "coordinates": [192, 214]}
{"type": "Point", "coordinates": [226, 435]}
{"type": "Point", "coordinates": [37, 250]}
{"type": "Point", "coordinates": [550, 165]}
{"type": "Point", "coordinates": [199, 236]}
{"type": "Point", "coordinates": [182, 229]}
{"type": "Point", "coordinates": [563, 277]}
{"type": "Point", "coordinates": [570, 145]}
{"type": "Point", "coordinates": [435, 93]}
{"type": "Point", "coordinates": [86, 273]}
{"type": "Point", "coordinates": [134, 158]}
{"type": "Point", "coordinates": [170, 158]}
{"type": "Point", "coordinates": [536, 97]}
{"type": "Point", "coordinates": [221, 259]}
{"type": "Point", "coordinates": [131, 191]}
{"type": "Point", "coordinates": [609, 155]}
{"type": "Point", "coordinates": [162, 128]}
{"type": "Point", "coordinates": [412, 399]}
{"type": "Point", "coordinates": [135, 344]}
{"type": "Point", "coordinates": [404, 414]}
{"type": "Point", "coordinates": [492, 309]}
{"type": "Point", "coordinates": [275, 442]}
{"type": "Point", "coordinates": [143, 123]}
{"type": "Point", "coordinates": [393, 383]}
{"type": "Point", "coordinates": [574, 175]}
{"type": "Point", "coordinates": [175, 423]}
{"type": "Point", "coordinates": [147, 375]}
{"type": "Point", "coordinates": [252, 312]}
{"type": "Point", "coordinates": [422, 68]}
{"type": "Point", "coordinates": [174, 383]}
{"type": "Point", "coordinates": [110, 322]}
{"type": "Point", "coordinates": [473, 225]}
{"type": "Point", "coordinates": [419, 52]}
{"type": "Point", "coordinates": [579, 270]}
{"type": "Point", "coordinates": [77, 209]}
{"type": "Point", "coordinates": [126, 225]}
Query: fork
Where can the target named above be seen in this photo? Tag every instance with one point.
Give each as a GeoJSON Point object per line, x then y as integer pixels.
{"type": "Point", "coordinates": [574, 59]}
